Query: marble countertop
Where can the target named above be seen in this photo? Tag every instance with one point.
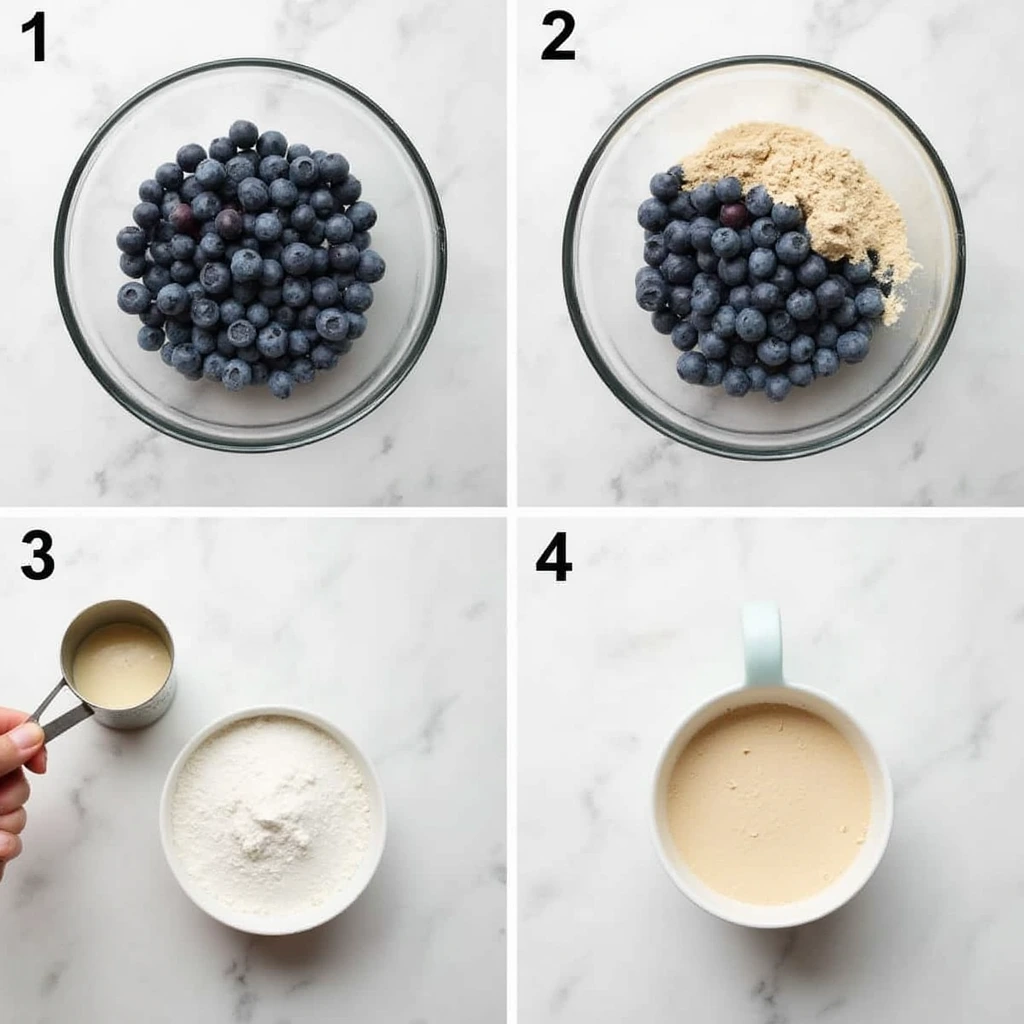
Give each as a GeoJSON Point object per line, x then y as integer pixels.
{"type": "Point", "coordinates": [913, 626]}
{"type": "Point", "coordinates": [440, 439]}
{"type": "Point", "coordinates": [372, 624]}
{"type": "Point", "coordinates": [951, 71]}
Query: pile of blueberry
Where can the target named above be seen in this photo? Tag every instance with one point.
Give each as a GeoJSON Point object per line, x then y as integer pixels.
{"type": "Point", "coordinates": [250, 263]}
{"type": "Point", "coordinates": [733, 279]}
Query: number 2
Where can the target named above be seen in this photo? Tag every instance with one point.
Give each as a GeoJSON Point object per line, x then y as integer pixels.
{"type": "Point", "coordinates": [552, 51]}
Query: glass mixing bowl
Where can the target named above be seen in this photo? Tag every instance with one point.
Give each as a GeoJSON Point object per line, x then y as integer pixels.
{"type": "Point", "coordinates": [197, 105]}
{"type": "Point", "coordinates": [602, 248]}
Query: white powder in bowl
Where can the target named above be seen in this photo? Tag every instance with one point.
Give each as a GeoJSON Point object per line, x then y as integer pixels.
{"type": "Point", "coordinates": [270, 815]}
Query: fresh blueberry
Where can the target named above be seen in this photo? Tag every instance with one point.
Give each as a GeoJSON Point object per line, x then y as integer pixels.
{"type": "Point", "coordinates": [852, 347]}
{"type": "Point", "coordinates": [151, 191]}
{"type": "Point", "coordinates": [302, 371]}
{"type": "Point", "coordinates": [736, 382]}
{"type": "Point", "coordinates": [708, 263]}
{"type": "Point", "coordinates": [777, 387]}
{"type": "Point", "coordinates": [213, 248]}
{"type": "Point", "coordinates": [151, 339]}
{"type": "Point", "coordinates": [764, 233]}
{"type": "Point", "coordinates": [296, 291]}
{"type": "Point", "coordinates": [684, 336]}
{"type": "Point", "coordinates": [830, 294]}
{"type": "Point", "coordinates": [170, 203]}
{"type": "Point", "coordinates": [280, 383]}
{"type": "Point", "coordinates": [146, 215]}
{"type": "Point", "coordinates": [773, 352]}
{"type": "Point", "coordinates": [260, 374]}
{"type": "Point", "coordinates": [724, 322]}
{"type": "Point", "coordinates": [222, 149]}
{"type": "Point", "coordinates": [323, 357]}
{"type": "Point", "coordinates": [704, 199]}
{"type": "Point", "coordinates": [236, 375]}
{"type": "Point", "coordinates": [827, 336]}
{"type": "Point", "coordinates": [190, 156]}
{"type": "Point", "coordinates": [751, 325]}
{"type": "Point", "coordinates": [332, 167]}
{"type": "Point", "coordinates": [214, 365]}
{"type": "Point", "coordinates": [651, 294]}
{"type": "Point", "coordinates": [801, 348]}
{"type": "Point", "coordinates": [792, 248]}
{"type": "Point", "coordinates": [356, 325]}
{"type": "Point", "coordinates": [183, 271]}
{"type": "Point", "coordinates": [782, 325]}
{"type": "Point", "coordinates": [786, 217]}
{"type": "Point", "coordinates": [746, 242]}
{"type": "Point", "coordinates": [705, 299]}
{"type": "Point", "coordinates": [845, 315]}
{"type": "Point", "coordinates": [742, 355]}
{"type": "Point", "coordinates": [713, 346]}
{"type": "Point", "coordinates": [258, 315]}
{"type": "Point", "coordinates": [825, 362]}
{"type": "Point", "coordinates": [183, 247]}
{"type": "Point", "coordinates": [243, 134]}
{"type": "Point", "coordinates": [858, 273]}
{"type": "Point", "coordinates": [178, 331]}
{"type": "Point", "coordinates": [273, 168]}
{"type": "Point", "coordinates": [272, 341]}
{"type": "Point", "coordinates": [864, 327]}
{"type": "Point", "coordinates": [692, 366]}
{"type": "Point", "coordinates": [231, 310]}
{"type": "Point", "coordinates": [253, 194]}
{"type": "Point", "coordinates": [371, 266]}
{"type": "Point", "coordinates": [762, 263]}
{"type": "Point", "coordinates": [332, 324]}
{"type": "Point", "coordinates": [681, 208]}
{"type": "Point", "coordinates": [701, 231]}
{"type": "Point", "coordinates": [728, 190]}
{"type": "Point", "coordinates": [739, 297]}
{"type": "Point", "coordinates": [205, 313]}
{"type": "Point", "coordinates": [298, 343]}
{"type": "Point", "coordinates": [765, 296]}
{"type": "Point", "coordinates": [270, 297]}
{"type": "Point", "coordinates": [759, 202]}
{"type": "Point", "coordinates": [205, 206]}
{"type": "Point", "coordinates": [339, 229]}
{"type": "Point", "coordinates": [228, 224]}
{"type": "Point", "coordinates": [297, 258]}
{"type": "Point", "coordinates": [152, 317]}
{"type": "Point", "coordinates": [211, 174]}
{"type": "Point", "coordinates": [170, 176]}
{"type": "Point", "coordinates": [186, 359]}
{"type": "Point", "coordinates": [325, 292]}
{"type": "Point", "coordinates": [345, 258]}
{"type": "Point", "coordinates": [665, 187]}
{"type": "Point", "coordinates": [167, 353]}
{"type": "Point", "coordinates": [733, 272]}
{"type": "Point", "coordinates": [812, 271]}
{"type": "Point", "coordinates": [725, 242]}
{"type": "Point", "coordinates": [733, 215]}
{"type": "Point", "coordinates": [133, 266]}
{"type": "Point", "coordinates": [268, 227]}
{"type": "Point", "coordinates": [348, 191]}
{"type": "Point", "coordinates": [800, 374]}
{"type": "Point", "coordinates": [870, 303]}
{"type": "Point", "coordinates": [171, 300]}
{"type": "Point", "coordinates": [132, 240]}
{"type": "Point", "coordinates": [801, 304]}
{"type": "Point", "coordinates": [271, 144]}
{"type": "Point", "coordinates": [215, 278]}
{"type": "Point", "coordinates": [675, 269]}
{"type": "Point", "coordinates": [784, 279]}
{"type": "Point", "coordinates": [704, 322]}
{"type": "Point", "coordinates": [714, 374]}
{"type": "Point", "coordinates": [758, 377]}
{"type": "Point", "coordinates": [357, 297]}
{"type": "Point", "coordinates": [242, 334]}
{"type": "Point", "coordinates": [203, 341]}
{"type": "Point", "coordinates": [676, 236]}
{"type": "Point", "coordinates": [664, 321]}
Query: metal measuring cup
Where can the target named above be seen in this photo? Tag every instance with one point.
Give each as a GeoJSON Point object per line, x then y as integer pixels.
{"type": "Point", "coordinates": [108, 613]}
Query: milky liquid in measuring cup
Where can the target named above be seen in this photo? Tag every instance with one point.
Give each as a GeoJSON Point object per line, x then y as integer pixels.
{"type": "Point", "coordinates": [120, 666]}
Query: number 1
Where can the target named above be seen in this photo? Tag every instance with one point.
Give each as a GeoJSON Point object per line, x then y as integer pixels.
{"type": "Point", "coordinates": [37, 24]}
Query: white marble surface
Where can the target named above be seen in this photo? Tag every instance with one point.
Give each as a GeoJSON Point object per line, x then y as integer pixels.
{"type": "Point", "coordinates": [439, 70]}
{"type": "Point", "coordinates": [956, 73]}
{"type": "Point", "coordinates": [395, 630]}
{"type": "Point", "coordinates": [914, 626]}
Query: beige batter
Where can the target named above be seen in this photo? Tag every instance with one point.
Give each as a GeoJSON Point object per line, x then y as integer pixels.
{"type": "Point", "coordinates": [120, 665]}
{"type": "Point", "coordinates": [768, 804]}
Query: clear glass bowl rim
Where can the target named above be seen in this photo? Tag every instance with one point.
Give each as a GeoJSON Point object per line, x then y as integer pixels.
{"type": "Point", "coordinates": [342, 420]}
{"type": "Point", "coordinates": [692, 438]}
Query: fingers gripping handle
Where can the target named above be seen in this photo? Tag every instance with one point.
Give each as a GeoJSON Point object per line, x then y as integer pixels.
{"type": "Point", "coordinates": [53, 729]}
{"type": "Point", "coordinates": [762, 643]}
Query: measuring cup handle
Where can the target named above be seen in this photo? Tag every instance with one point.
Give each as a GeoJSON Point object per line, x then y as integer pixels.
{"type": "Point", "coordinates": [52, 730]}
{"type": "Point", "coordinates": [762, 643]}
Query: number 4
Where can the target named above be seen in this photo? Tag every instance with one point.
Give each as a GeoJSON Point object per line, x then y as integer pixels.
{"type": "Point", "coordinates": [554, 558]}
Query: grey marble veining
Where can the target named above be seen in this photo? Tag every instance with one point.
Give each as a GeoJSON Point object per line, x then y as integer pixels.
{"type": "Point", "coordinates": [440, 439]}
{"type": "Point", "coordinates": [376, 626]}
{"type": "Point", "coordinates": [912, 625]}
{"type": "Point", "coordinates": [957, 73]}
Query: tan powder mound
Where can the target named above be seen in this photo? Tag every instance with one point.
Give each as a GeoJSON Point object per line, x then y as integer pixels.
{"type": "Point", "coordinates": [848, 212]}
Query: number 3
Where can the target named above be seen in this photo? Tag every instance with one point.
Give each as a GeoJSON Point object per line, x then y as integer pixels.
{"type": "Point", "coordinates": [40, 554]}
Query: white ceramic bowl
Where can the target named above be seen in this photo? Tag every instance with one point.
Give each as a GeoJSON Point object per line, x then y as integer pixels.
{"type": "Point", "coordinates": [269, 924]}
{"type": "Point", "coordinates": [848, 884]}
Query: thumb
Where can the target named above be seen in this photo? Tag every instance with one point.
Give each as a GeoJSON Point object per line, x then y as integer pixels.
{"type": "Point", "coordinates": [19, 745]}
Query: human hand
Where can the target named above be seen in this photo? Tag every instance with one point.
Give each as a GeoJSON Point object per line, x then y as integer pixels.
{"type": "Point", "coordinates": [21, 744]}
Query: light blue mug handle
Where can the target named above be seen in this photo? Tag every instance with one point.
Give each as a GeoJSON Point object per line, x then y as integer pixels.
{"type": "Point", "coordinates": [762, 643]}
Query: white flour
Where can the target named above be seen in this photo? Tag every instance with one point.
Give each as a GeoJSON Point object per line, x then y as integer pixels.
{"type": "Point", "coordinates": [270, 816]}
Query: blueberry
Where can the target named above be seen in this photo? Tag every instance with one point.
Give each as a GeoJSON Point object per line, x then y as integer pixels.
{"type": "Point", "coordinates": [827, 336]}
{"type": "Point", "coordinates": [258, 315]}
{"type": "Point", "coordinates": [272, 341]}
{"type": "Point", "coordinates": [236, 375]}
{"type": "Point", "coordinates": [746, 242]}
{"type": "Point", "coordinates": [185, 359]}
{"type": "Point", "coordinates": [296, 291]}
{"type": "Point", "coordinates": [250, 354]}
{"type": "Point", "coordinates": [705, 299]}
{"type": "Point", "coordinates": [339, 229]}
{"type": "Point", "coordinates": [830, 294]}
{"type": "Point", "coordinates": [742, 355]}
{"type": "Point", "coordinates": [724, 322]}
{"type": "Point", "coordinates": [183, 271]}
{"type": "Point", "coordinates": [703, 322]}
{"type": "Point", "coordinates": [214, 365]}
{"type": "Point", "coordinates": [151, 339]}
{"type": "Point", "coordinates": [215, 278]}
{"type": "Point", "coordinates": [681, 208]}
{"type": "Point", "coordinates": [357, 297]}
{"type": "Point", "coordinates": [270, 297]}
{"type": "Point", "coordinates": [792, 248]}
{"type": "Point", "coordinates": [784, 279]}
{"type": "Point", "coordinates": [146, 215]}
{"type": "Point", "coordinates": [684, 336]}
{"type": "Point", "coordinates": [302, 371]}
{"type": "Point", "coordinates": [852, 347]}
{"type": "Point", "coordinates": [222, 149]}
{"type": "Point", "coordinates": [762, 263]}
{"type": "Point", "coordinates": [243, 134]}
{"type": "Point", "coordinates": [800, 374]}
{"type": "Point", "coordinates": [133, 266]}
{"type": "Point", "coordinates": [298, 343]}
{"type": "Point", "coordinates": [665, 187]}
{"type": "Point", "coordinates": [152, 317]}
{"type": "Point", "coordinates": [728, 190]}
{"type": "Point", "coordinates": [228, 224]}
{"type": "Point", "coordinates": [194, 290]}
{"type": "Point", "coordinates": [764, 233]}
{"type": "Point", "coordinates": [280, 383]}
{"type": "Point", "coordinates": [371, 266]}
{"type": "Point", "coordinates": [715, 373]}
{"type": "Point", "coordinates": [692, 366]}
{"type": "Point", "coordinates": [242, 334]}
{"type": "Point", "coordinates": [801, 304]}
{"type": "Point", "coordinates": [151, 191]}
{"type": "Point", "coordinates": [701, 231]}
{"type": "Point", "coordinates": [183, 247]}
{"type": "Point", "coordinates": [870, 303]}
{"type": "Point", "coordinates": [713, 346]}
{"type": "Point", "coordinates": [246, 265]}
{"type": "Point", "coordinates": [260, 374]}
{"type": "Point", "coordinates": [765, 296]}
{"type": "Point", "coordinates": [736, 382]}
{"type": "Point", "coordinates": [751, 325]}
{"type": "Point", "coordinates": [271, 144]}
{"type": "Point", "coordinates": [801, 348]}
{"type": "Point", "coordinates": [297, 258]}
{"type": "Point", "coordinates": [213, 248]}
{"type": "Point", "coordinates": [273, 168]}
{"type": "Point", "coordinates": [777, 387]}
{"type": "Point", "coordinates": [160, 253]}
{"type": "Point", "coordinates": [704, 199]}
{"type": "Point", "coordinates": [858, 273]}
{"type": "Point", "coordinates": [786, 217]}
{"type": "Point", "coordinates": [323, 357]}
{"type": "Point", "coordinates": [253, 194]}
{"type": "Point", "coordinates": [231, 310]}
{"type": "Point", "coordinates": [708, 263]}
{"type": "Point", "coordinates": [725, 242]}
{"type": "Point", "coordinates": [740, 297]}
{"type": "Point", "coordinates": [167, 353]}
{"type": "Point", "coordinates": [348, 191]}
{"type": "Point", "coordinates": [773, 352]}
{"type": "Point", "coordinates": [211, 174]}
{"type": "Point", "coordinates": [664, 321]}
{"type": "Point", "coordinates": [203, 341]}
{"type": "Point", "coordinates": [652, 215]}
{"type": "Point", "coordinates": [759, 202]}
{"type": "Point", "coordinates": [356, 325]}
{"type": "Point", "coordinates": [651, 294]}
{"type": "Point", "coordinates": [268, 227]}
{"type": "Point", "coordinates": [825, 362]}
{"type": "Point", "coordinates": [132, 240]}
{"type": "Point", "coordinates": [345, 258]}
{"type": "Point", "coordinates": [676, 236]}
{"type": "Point", "coordinates": [812, 271]}
{"type": "Point", "coordinates": [205, 206]}
{"type": "Point", "coordinates": [655, 250]}
{"type": "Point", "coordinates": [170, 202]}
{"type": "Point", "coordinates": [758, 377]}
{"type": "Point", "coordinates": [333, 167]}
{"type": "Point", "coordinates": [190, 156]}
{"type": "Point", "coordinates": [733, 272]}
{"type": "Point", "coordinates": [782, 325]}
{"type": "Point", "coordinates": [205, 313]}
{"type": "Point", "coordinates": [845, 315]}
{"type": "Point", "coordinates": [675, 269]}
{"type": "Point", "coordinates": [171, 299]}
{"type": "Point", "coordinates": [864, 327]}
{"type": "Point", "coordinates": [733, 215]}
{"type": "Point", "coordinates": [325, 292]}
{"type": "Point", "coordinates": [170, 176]}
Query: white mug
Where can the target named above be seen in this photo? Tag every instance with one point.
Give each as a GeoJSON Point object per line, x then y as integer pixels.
{"type": "Point", "coordinates": [762, 646]}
